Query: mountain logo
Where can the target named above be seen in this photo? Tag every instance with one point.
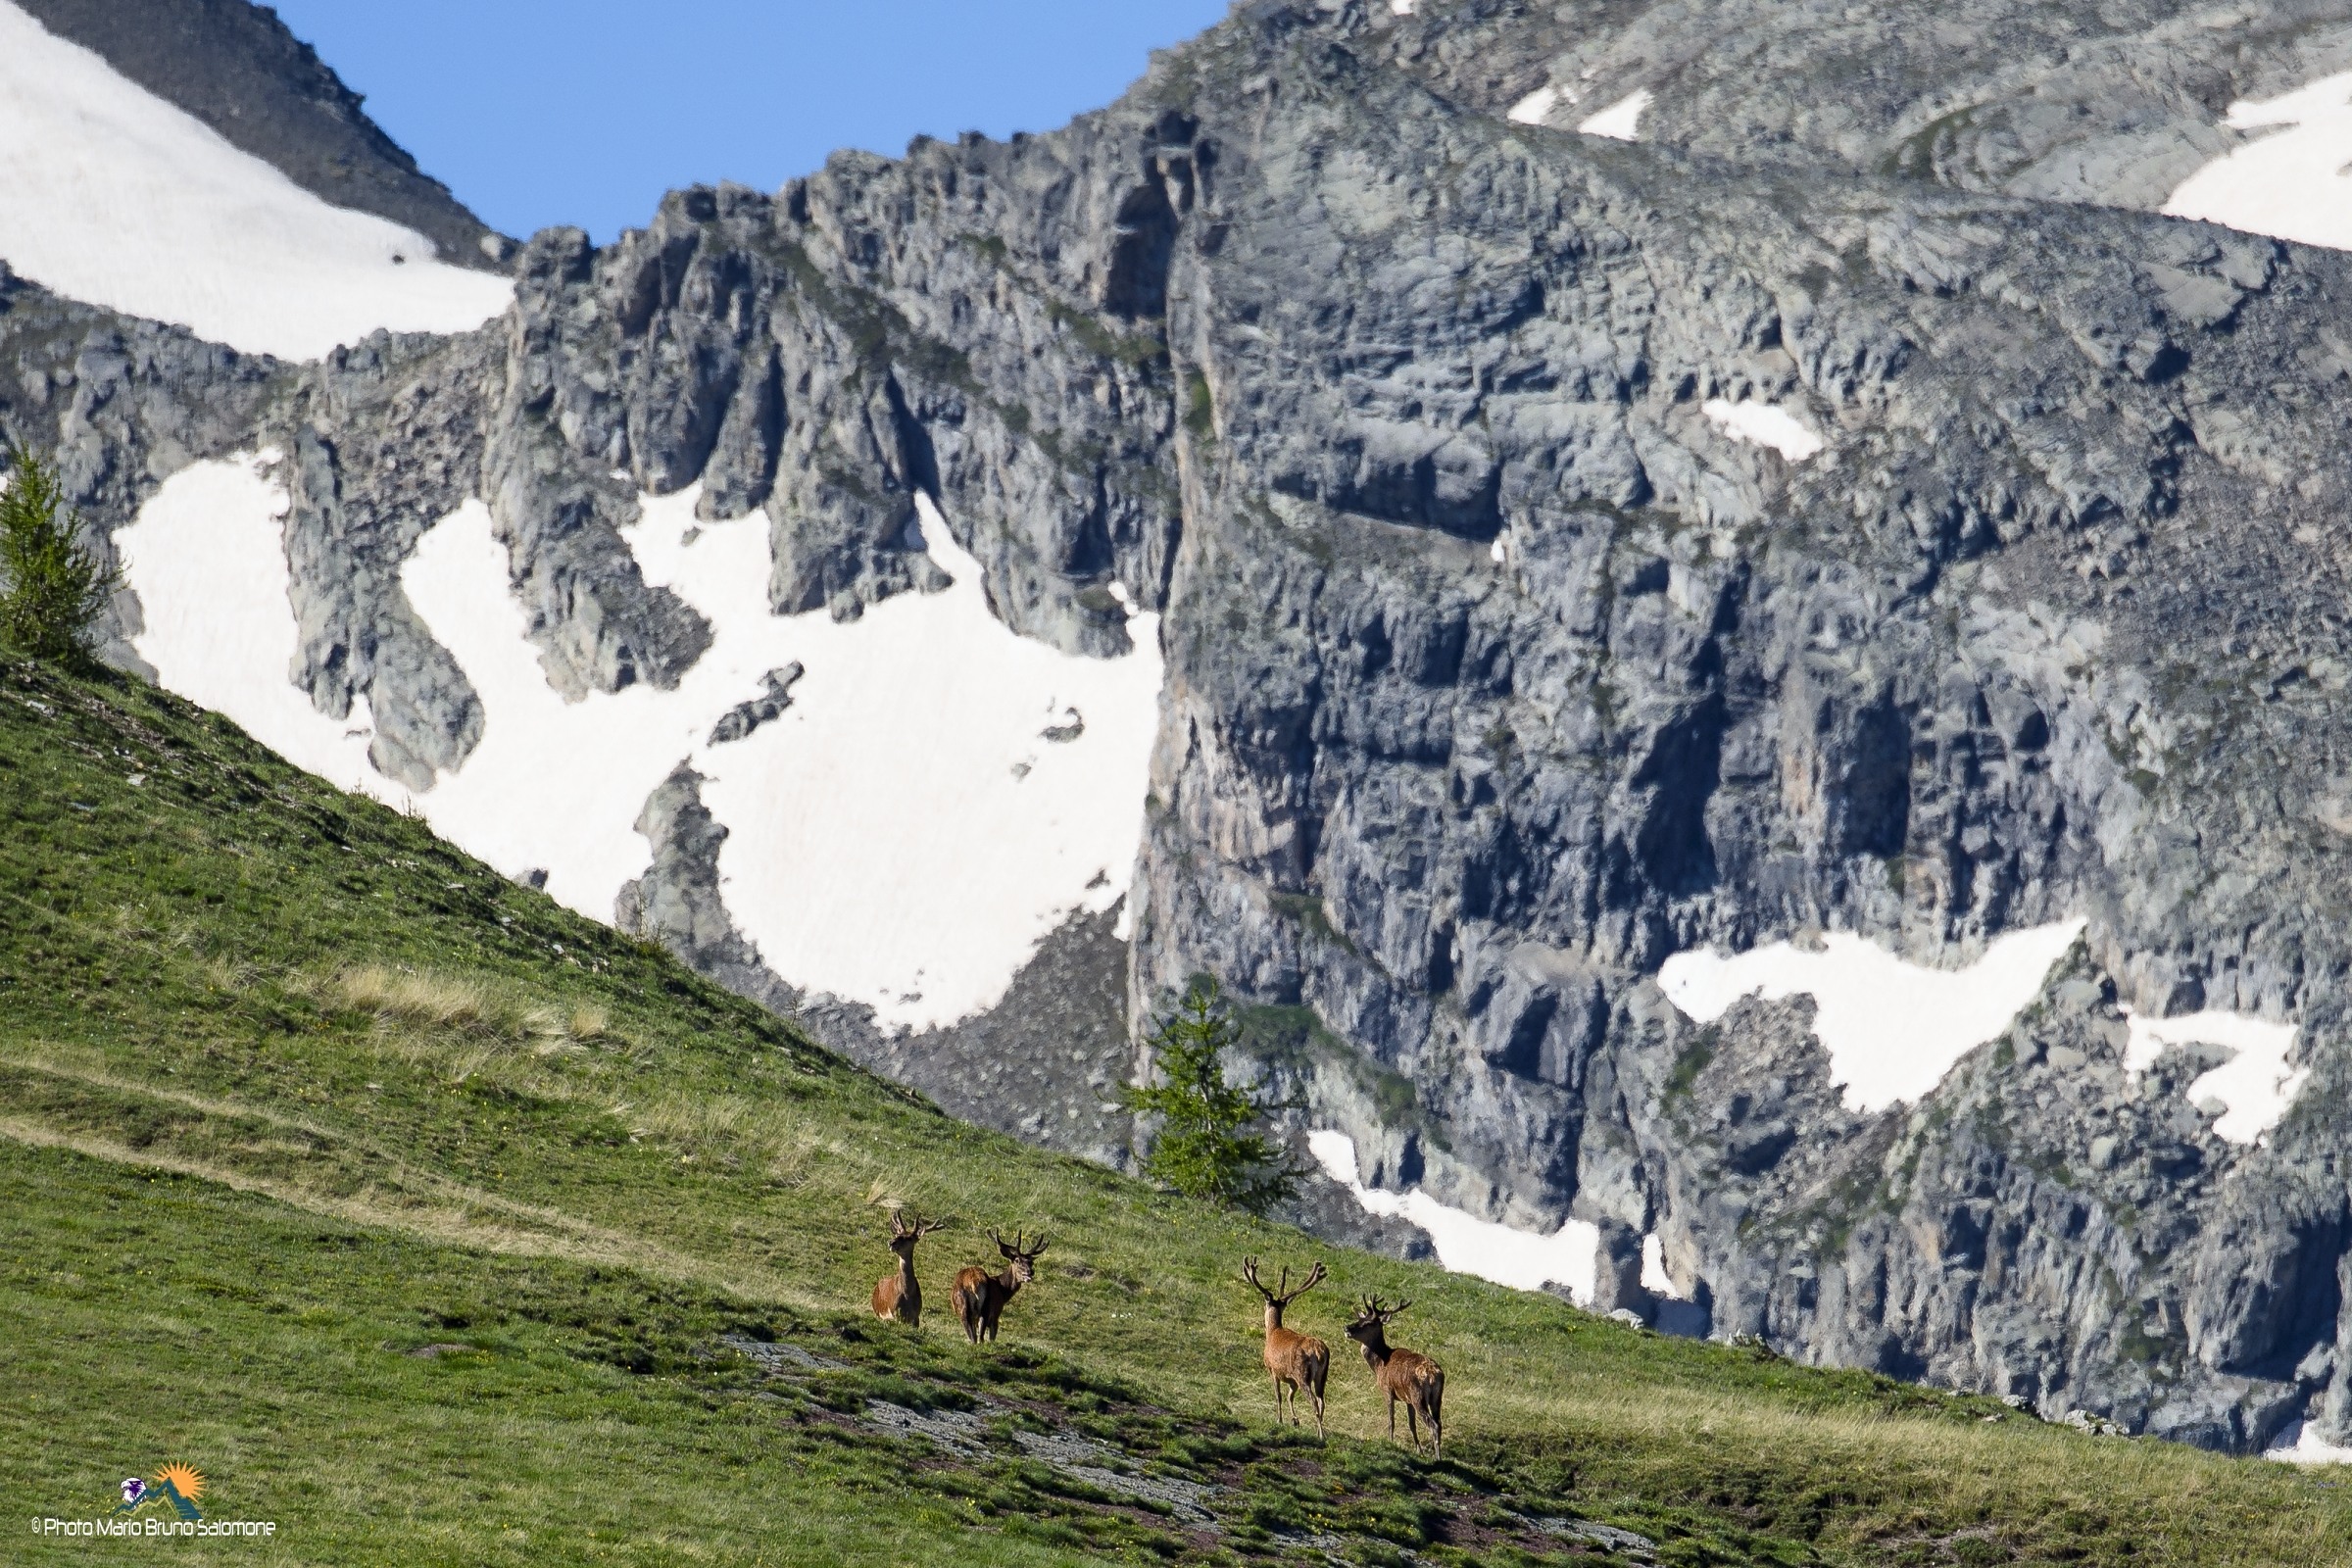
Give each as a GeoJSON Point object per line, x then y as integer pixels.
{"type": "Point", "coordinates": [176, 1486]}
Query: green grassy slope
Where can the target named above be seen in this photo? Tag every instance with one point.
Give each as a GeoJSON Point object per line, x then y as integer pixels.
{"type": "Point", "coordinates": [441, 1226]}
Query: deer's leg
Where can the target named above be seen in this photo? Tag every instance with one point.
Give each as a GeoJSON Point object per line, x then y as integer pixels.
{"type": "Point", "coordinates": [1391, 1418]}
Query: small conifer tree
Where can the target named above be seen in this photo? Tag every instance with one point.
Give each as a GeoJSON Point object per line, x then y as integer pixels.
{"type": "Point", "coordinates": [53, 587]}
{"type": "Point", "coordinates": [1201, 1150]}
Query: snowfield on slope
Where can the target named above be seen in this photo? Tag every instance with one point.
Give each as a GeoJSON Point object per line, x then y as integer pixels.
{"type": "Point", "coordinates": [2246, 1095]}
{"type": "Point", "coordinates": [2291, 184]}
{"type": "Point", "coordinates": [1892, 1029]}
{"type": "Point", "coordinates": [209, 558]}
{"type": "Point", "coordinates": [111, 196]}
{"type": "Point", "coordinates": [2300, 1444]}
{"type": "Point", "coordinates": [903, 835]}
{"type": "Point", "coordinates": [1536, 108]}
{"type": "Point", "coordinates": [1764, 425]}
{"type": "Point", "coordinates": [1525, 1261]}
{"type": "Point", "coordinates": [1622, 120]}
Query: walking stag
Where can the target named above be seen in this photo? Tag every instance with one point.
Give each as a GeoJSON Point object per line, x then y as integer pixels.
{"type": "Point", "coordinates": [1406, 1375]}
{"type": "Point", "coordinates": [980, 1295]}
{"type": "Point", "coordinates": [1298, 1362]}
{"type": "Point", "coordinates": [897, 1296]}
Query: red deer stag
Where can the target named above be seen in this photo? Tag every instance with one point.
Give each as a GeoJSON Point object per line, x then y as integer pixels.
{"type": "Point", "coordinates": [897, 1296]}
{"type": "Point", "coordinates": [980, 1295]}
{"type": "Point", "coordinates": [1298, 1362]}
{"type": "Point", "coordinates": [1406, 1375]}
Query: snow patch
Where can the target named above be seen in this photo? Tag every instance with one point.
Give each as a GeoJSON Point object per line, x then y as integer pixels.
{"type": "Point", "coordinates": [1654, 1278]}
{"type": "Point", "coordinates": [1536, 108]}
{"type": "Point", "coordinates": [1764, 425]}
{"type": "Point", "coordinates": [903, 835]}
{"type": "Point", "coordinates": [208, 556]}
{"type": "Point", "coordinates": [1402, 8]}
{"type": "Point", "coordinates": [1892, 1029]}
{"type": "Point", "coordinates": [110, 195]}
{"type": "Point", "coordinates": [2299, 1444]}
{"type": "Point", "coordinates": [2254, 1087]}
{"type": "Point", "coordinates": [1621, 120]}
{"type": "Point", "coordinates": [1465, 1244]}
{"type": "Point", "coordinates": [885, 848]}
{"type": "Point", "coordinates": [2291, 184]}
{"type": "Point", "coordinates": [552, 785]}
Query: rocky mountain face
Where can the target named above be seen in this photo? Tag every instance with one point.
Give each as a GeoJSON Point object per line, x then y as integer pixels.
{"type": "Point", "coordinates": [2115, 104]}
{"type": "Point", "coordinates": [1500, 669]}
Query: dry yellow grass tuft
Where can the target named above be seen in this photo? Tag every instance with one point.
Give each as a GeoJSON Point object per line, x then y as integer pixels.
{"type": "Point", "coordinates": [463, 1004]}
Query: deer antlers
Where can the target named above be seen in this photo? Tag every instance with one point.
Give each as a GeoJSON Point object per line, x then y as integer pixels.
{"type": "Point", "coordinates": [1019, 1246]}
{"type": "Point", "coordinates": [1282, 1295]}
{"type": "Point", "coordinates": [1371, 1311]}
{"type": "Point", "coordinates": [899, 1229]}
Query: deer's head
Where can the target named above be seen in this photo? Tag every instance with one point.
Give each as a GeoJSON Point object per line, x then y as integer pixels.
{"type": "Point", "coordinates": [1281, 1295]}
{"type": "Point", "coordinates": [1369, 1327]}
{"type": "Point", "coordinates": [905, 1231]}
{"type": "Point", "coordinates": [1020, 1255]}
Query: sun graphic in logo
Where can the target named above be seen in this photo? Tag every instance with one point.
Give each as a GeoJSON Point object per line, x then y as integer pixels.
{"type": "Point", "coordinates": [186, 1479]}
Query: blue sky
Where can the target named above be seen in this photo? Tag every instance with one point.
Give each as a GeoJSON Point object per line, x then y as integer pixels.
{"type": "Point", "coordinates": [540, 112]}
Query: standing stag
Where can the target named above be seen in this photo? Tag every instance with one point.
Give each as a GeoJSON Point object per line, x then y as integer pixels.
{"type": "Point", "coordinates": [980, 1295]}
{"type": "Point", "coordinates": [1406, 1375]}
{"type": "Point", "coordinates": [1298, 1362]}
{"type": "Point", "coordinates": [897, 1296]}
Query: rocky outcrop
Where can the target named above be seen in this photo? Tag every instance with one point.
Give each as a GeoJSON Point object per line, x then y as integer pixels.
{"type": "Point", "coordinates": [1500, 668]}
{"type": "Point", "coordinates": [2048, 1224]}
{"type": "Point", "coordinates": [746, 716]}
{"type": "Point", "coordinates": [406, 407]}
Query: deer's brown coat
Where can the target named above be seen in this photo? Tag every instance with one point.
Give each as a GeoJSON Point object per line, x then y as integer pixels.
{"type": "Point", "coordinates": [1295, 1361]}
{"type": "Point", "coordinates": [1402, 1375]}
{"type": "Point", "coordinates": [979, 1296]}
